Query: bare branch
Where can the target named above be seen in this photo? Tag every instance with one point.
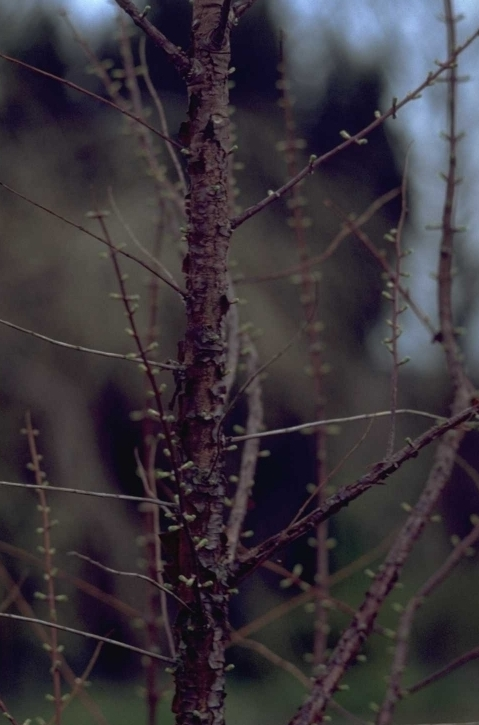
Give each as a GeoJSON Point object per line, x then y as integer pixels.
{"type": "Point", "coordinates": [7, 714]}
{"type": "Point", "coordinates": [377, 475]}
{"type": "Point", "coordinates": [133, 574]}
{"type": "Point", "coordinates": [90, 94]}
{"type": "Point", "coordinates": [178, 57]}
{"type": "Point", "coordinates": [359, 233]}
{"type": "Point", "coordinates": [83, 229]}
{"type": "Point", "coordinates": [315, 163]}
{"type": "Point", "coordinates": [88, 635]}
{"type": "Point", "coordinates": [343, 234]}
{"type": "Point", "coordinates": [81, 492]}
{"type": "Point", "coordinates": [447, 335]}
{"type": "Point", "coordinates": [392, 341]}
{"type": "Point", "coordinates": [80, 348]}
{"type": "Point", "coordinates": [332, 421]}
{"type": "Point", "coordinates": [473, 654]}
{"type": "Point", "coordinates": [350, 642]}
{"type": "Point", "coordinates": [394, 693]}
{"type": "Point", "coordinates": [249, 456]}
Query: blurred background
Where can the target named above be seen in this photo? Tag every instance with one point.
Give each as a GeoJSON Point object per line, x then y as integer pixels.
{"type": "Point", "coordinates": [70, 154]}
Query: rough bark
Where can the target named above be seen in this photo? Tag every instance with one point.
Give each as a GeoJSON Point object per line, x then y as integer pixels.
{"type": "Point", "coordinates": [202, 629]}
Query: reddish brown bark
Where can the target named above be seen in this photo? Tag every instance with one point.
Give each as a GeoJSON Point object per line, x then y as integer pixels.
{"type": "Point", "coordinates": [202, 631]}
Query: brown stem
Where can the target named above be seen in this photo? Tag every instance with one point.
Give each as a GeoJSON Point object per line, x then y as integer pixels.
{"type": "Point", "coordinates": [379, 121]}
{"type": "Point", "coordinates": [351, 640]}
{"type": "Point", "coordinates": [178, 57]}
{"type": "Point", "coordinates": [202, 634]}
{"type": "Point", "coordinates": [377, 475]}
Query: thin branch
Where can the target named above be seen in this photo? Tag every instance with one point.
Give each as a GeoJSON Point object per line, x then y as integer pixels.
{"type": "Point", "coordinates": [48, 553]}
{"type": "Point", "coordinates": [177, 56]}
{"type": "Point", "coordinates": [90, 94]}
{"type": "Point", "coordinates": [80, 682]}
{"type": "Point", "coordinates": [161, 114]}
{"type": "Point", "coordinates": [98, 494]}
{"type": "Point", "coordinates": [377, 475]}
{"type": "Point", "coordinates": [447, 335]}
{"type": "Point", "coordinates": [272, 657]}
{"type": "Point", "coordinates": [253, 376]}
{"type": "Point", "coordinates": [473, 654]}
{"type": "Point", "coordinates": [291, 669]}
{"type": "Point", "coordinates": [316, 162]}
{"type": "Point", "coordinates": [360, 234]}
{"type": "Point", "coordinates": [333, 421]}
{"type": "Point", "coordinates": [332, 473]}
{"type": "Point", "coordinates": [90, 589]}
{"type": "Point", "coordinates": [250, 452]}
{"type": "Point", "coordinates": [343, 234]}
{"type": "Point", "coordinates": [393, 693]}
{"type": "Point", "coordinates": [91, 351]}
{"type": "Point", "coordinates": [7, 714]}
{"type": "Point", "coordinates": [133, 574]}
{"type": "Point", "coordinates": [88, 635]}
{"type": "Point", "coordinates": [130, 310]}
{"type": "Point", "coordinates": [27, 610]}
{"type": "Point", "coordinates": [83, 229]}
{"type": "Point", "coordinates": [308, 298]}
{"type": "Point", "coordinates": [116, 210]}
{"type": "Point", "coordinates": [352, 638]}
{"type": "Point", "coordinates": [397, 310]}
{"type": "Point", "coordinates": [280, 610]}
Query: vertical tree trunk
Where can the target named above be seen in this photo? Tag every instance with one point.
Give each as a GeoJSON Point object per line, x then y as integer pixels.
{"type": "Point", "coordinates": [201, 627]}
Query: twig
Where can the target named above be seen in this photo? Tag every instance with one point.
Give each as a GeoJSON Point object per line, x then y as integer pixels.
{"type": "Point", "coordinates": [116, 209]}
{"type": "Point", "coordinates": [81, 681]}
{"type": "Point", "coordinates": [343, 234]}
{"type": "Point", "coordinates": [272, 657]}
{"type": "Point", "coordinates": [333, 421]}
{"type": "Point", "coordinates": [7, 714]}
{"type": "Point", "coordinates": [81, 228]}
{"type": "Point", "coordinates": [290, 668]}
{"type": "Point", "coordinates": [178, 57]}
{"type": "Point", "coordinates": [161, 114]}
{"type": "Point", "coordinates": [397, 310]}
{"type": "Point", "coordinates": [250, 452]}
{"type": "Point", "coordinates": [280, 610]}
{"type": "Point", "coordinates": [473, 654]}
{"type": "Point", "coordinates": [393, 693]}
{"type": "Point", "coordinates": [332, 473]}
{"type": "Point", "coordinates": [48, 553]}
{"type": "Point", "coordinates": [91, 351]}
{"type": "Point", "coordinates": [88, 635]}
{"type": "Point", "coordinates": [352, 638]}
{"type": "Point", "coordinates": [447, 334]}
{"type": "Point", "coordinates": [377, 475]}
{"type": "Point", "coordinates": [353, 139]}
{"type": "Point", "coordinates": [25, 607]}
{"type": "Point", "coordinates": [130, 313]}
{"type": "Point", "coordinates": [90, 94]}
{"type": "Point", "coordinates": [90, 589]}
{"type": "Point", "coordinates": [360, 234]}
{"type": "Point", "coordinates": [133, 574]}
{"type": "Point", "coordinates": [310, 290]}
{"type": "Point", "coordinates": [81, 492]}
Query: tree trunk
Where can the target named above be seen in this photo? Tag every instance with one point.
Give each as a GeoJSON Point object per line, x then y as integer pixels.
{"type": "Point", "coordinates": [202, 625]}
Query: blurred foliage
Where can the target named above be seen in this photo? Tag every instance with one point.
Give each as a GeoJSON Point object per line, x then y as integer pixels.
{"type": "Point", "coordinates": [64, 151]}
